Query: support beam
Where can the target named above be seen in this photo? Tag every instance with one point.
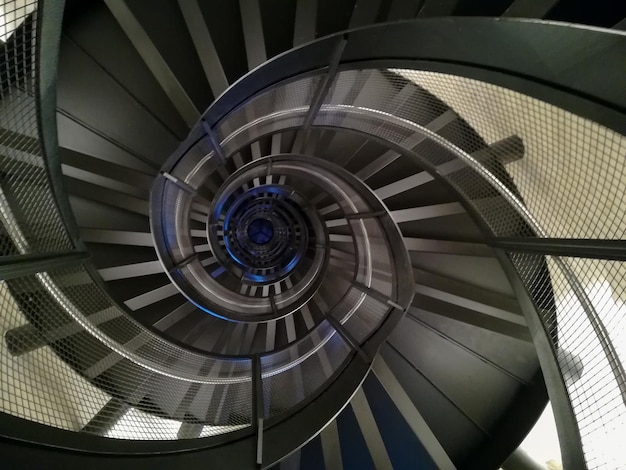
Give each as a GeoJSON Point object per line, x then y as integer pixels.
{"type": "Point", "coordinates": [512, 325]}
{"type": "Point", "coordinates": [153, 59]}
{"type": "Point", "coordinates": [373, 293]}
{"type": "Point", "coordinates": [26, 338]}
{"type": "Point", "coordinates": [17, 141]}
{"type": "Point", "coordinates": [257, 406]}
{"type": "Point", "coordinates": [108, 169]}
{"type": "Point", "coordinates": [205, 48]}
{"type": "Point", "coordinates": [23, 339]}
{"type": "Point", "coordinates": [466, 290]}
{"type": "Point", "coordinates": [270, 335]}
{"type": "Point", "coordinates": [107, 417]}
{"type": "Point", "coordinates": [364, 13]}
{"type": "Point", "coordinates": [571, 247]}
{"type": "Point", "coordinates": [15, 266]}
{"type": "Point", "coordinates": [253, 32]}
{"type": "Point", "coordinates": [304, 25]}
{"type": "Point", "coordinates": [404, 184]}
{"type": "Point", "coordinates": [116, 237]}
{"type": "Point", "coordinates": [507, 150]}
{"type": "Point", "coordinates": [347, 337]}
{"type": "Point", "coordinates": [530, 8]}
{"type": "Point", "coordinates": [425, 245]}
{"type": "Point", "coordinates": [291, 462]}
{"type": "Point", "coordinates": [365, 215]}
{"type": "Point", "coordinates": [131, 270]}
{"type": "Point", "coordinates": [320, 95]}
{"type": "Point", "coordinates": [427, 212]}
{"type": "Point", "coordinates": [413, 141]}
{"type": "Point", "coordinates": [151, 297]}
{"type": "Point", "coordinates": [331, 448]}
{"type": "Point", "coordinates": [410, 413]}
{"type": "Point", "coordinates": [189, 430]}
{"type": "Point", "coordinates": [181, 264]}
{"type": "Point", "coordinates": [370, 431]}
{"type": "Point", "coordinates": [454, 298]}
{"type": "Point", "coordinates": [175, 316]}
{"type": "Point", "coordinates": [109, 197]}
{"type": "Point", "coordinates": [198, 198]}
{"type": "Point", "coordinates": [432, 8]}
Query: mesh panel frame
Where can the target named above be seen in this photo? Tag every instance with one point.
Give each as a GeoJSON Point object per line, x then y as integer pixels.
{"type": "Point", "coordinates": [284, 390]}
{"type": "Point", "coordinates": [34, 224]}
{"type": "Point", "coordinates": [483, 107]}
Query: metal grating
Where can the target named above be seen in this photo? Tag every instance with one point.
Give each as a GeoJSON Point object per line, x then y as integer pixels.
{"type": "Point", "coordinates": [572, 167]}
{"type": "Point", "coordinates": [529, 169]}
{"type": "Point", "coordinates": [589, 374]}
{"type": "Point", "coordinates": [284, 386]}
{"type": "Point", "coordinates": [366, 319]}
{"type": "Point", "coordinates": [294, 95]}
{"type": "Point", "coordinates": [570, 183]}
{"type": "Point", "coordinates": [70, 358]}
{"type": "Point", "coordinates": [559, 191]}
{"type": "Point", "coordinates": [147, 372]}
{"type": "Point", "coordinates": [34, 224]}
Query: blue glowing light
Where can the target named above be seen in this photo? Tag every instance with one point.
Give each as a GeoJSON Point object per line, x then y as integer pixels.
{"type": "Point", "coordinates": [256, 277]}
{"type": "Point", "coordinates": [260, 231]}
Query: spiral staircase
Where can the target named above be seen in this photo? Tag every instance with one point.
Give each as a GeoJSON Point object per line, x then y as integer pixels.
{"type": "Point", "coordinates": [380, 248]}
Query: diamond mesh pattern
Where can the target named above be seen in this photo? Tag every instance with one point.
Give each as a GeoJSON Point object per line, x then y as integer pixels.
{"type": "Point", "coordinates": [33, 225]}
{"type": "Point", "coordinates": [149, 373]}
{"type": "Point", "coordinates": [575, 164]}
{"type": "Point", "coordinates": [568, 184]}
{"type": "Point", "coordinates": [589, 376]}
{"type": "Point", "coordinates": [290, 386]}
{"type": "Point", "coordinates": [89, 367]}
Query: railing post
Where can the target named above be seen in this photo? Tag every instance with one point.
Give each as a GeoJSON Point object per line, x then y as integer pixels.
{"type": "Point", "coordinates": [567, 426]}
{"type": "Point", "coordinates": [257, 406]}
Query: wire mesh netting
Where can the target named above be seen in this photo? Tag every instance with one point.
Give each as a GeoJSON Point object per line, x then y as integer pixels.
{"type": "Point", "coordinates": [569, 308]}
{"type": "Point", "coordinates": [88, 363]}
{"type": "Point", "coordinates": [72, 359]}
{"type": "Point", "coordinates": [528, 168]}
{"type": "Point", "coordinates": [235, 130]}
{"type": "Point", "coordinates": [576, 165]}
{"type": "Point", "coordinates": [568, 184]}
{"type": "Point", "coordinates": [33, 225]}
{"type": "Point", "coordinates": [285, 386]}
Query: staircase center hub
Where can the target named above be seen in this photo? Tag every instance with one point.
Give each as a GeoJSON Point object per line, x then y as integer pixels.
{"type": "Point", "coordinates": [261, 231]}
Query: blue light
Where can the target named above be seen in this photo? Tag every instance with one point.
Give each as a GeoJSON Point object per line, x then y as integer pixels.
{"type": "Point", "coordinates": [256, 277]}
{"type": "Point", "coordinates": [261, 231]}
{"type": "Point", "coordinates": [292, 264]}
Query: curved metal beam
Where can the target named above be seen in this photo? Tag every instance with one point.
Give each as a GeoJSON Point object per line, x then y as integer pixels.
{"type": "Point", "coordinates": [550, 65]}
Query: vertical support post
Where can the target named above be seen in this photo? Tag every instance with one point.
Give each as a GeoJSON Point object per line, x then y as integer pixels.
{"type": "Point", "coordinates": [347, 337]}
{"type": "Point", "coordinates": [49, 21]}
{"type": "Point", "coordinates": [320, 94]}
{"type": "Point", "coordinates": [566, 424]}
{"type": "Point", "coordinates": [257, 406]}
